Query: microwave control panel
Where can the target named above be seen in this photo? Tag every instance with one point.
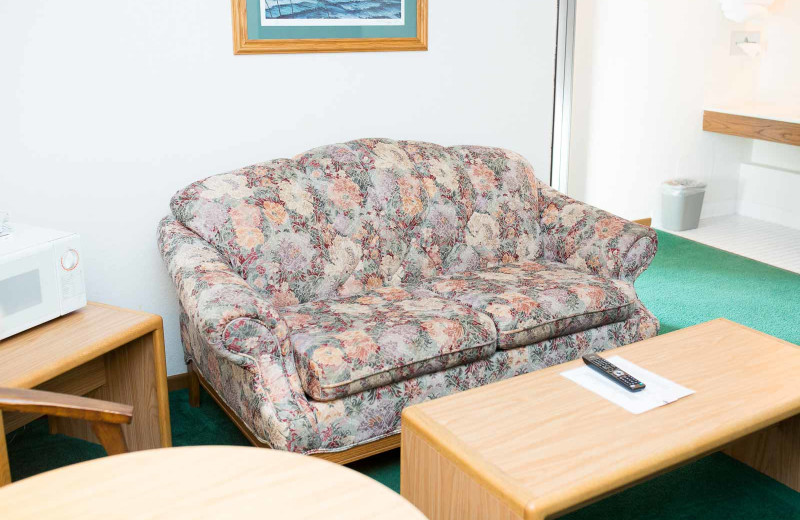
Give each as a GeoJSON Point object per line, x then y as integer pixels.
{"type": "Point", "coordinates": [70, 273]}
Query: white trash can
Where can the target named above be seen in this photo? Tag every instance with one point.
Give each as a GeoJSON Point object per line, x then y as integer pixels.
{"type": "Point", "coordinates": [681, 203]}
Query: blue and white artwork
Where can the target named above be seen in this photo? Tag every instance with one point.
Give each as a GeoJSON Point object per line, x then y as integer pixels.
{"type": "Point", "coordinates": [275, 13]}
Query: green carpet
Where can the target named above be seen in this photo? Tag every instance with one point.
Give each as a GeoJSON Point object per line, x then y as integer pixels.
{"type": "Point", "coordinates": [688, 283]}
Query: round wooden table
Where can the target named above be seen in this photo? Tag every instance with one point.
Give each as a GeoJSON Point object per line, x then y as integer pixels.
{"type": "Point", "coordinates": [203, 482]}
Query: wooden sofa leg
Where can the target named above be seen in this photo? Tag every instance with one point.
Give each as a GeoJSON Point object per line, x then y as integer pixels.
{"type": "Point", "coordinates": [194, 387]}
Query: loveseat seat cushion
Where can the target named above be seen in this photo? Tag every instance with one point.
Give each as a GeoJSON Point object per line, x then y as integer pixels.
{"type": "Point", "coordinates": [349, 345]}
{"type": "Point", "coordinates": [537, 300]}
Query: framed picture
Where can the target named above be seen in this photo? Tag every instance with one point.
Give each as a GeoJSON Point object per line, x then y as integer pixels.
{"type": "Point", "coordinates": [287, 26]}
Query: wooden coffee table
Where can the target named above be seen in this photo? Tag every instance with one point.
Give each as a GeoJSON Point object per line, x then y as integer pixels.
{"type": "Point", "coordinates": [539, 445]}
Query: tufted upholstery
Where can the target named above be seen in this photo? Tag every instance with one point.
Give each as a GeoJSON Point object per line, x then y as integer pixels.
{"type": "Point", "coordinates": [534, 301]}
{"type": "Point", "coordinates": [345, 346]}
{"type": "Point", "coordinates": [323, 294]}
{"type": "Point", "coordinates": [342, 219]}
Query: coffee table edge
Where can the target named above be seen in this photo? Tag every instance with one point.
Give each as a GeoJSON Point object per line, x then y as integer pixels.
{"type": "Point", "coordinates": [476, 467]}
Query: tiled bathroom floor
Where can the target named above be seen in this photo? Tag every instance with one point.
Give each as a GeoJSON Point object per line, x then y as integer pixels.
{"type": "Point", "coordinates": [763, 241]}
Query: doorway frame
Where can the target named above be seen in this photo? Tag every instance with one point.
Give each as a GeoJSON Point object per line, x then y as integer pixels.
{"type": "Point", "coordinates": [562, 99]}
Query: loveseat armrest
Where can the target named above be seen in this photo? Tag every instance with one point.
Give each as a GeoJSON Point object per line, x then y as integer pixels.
{"type": "Point", "coordinates": [212, 294]}
{"type": "Point", "coordinates": [240, 325]}
{"type": "Point", "coordinates": [593, 240]}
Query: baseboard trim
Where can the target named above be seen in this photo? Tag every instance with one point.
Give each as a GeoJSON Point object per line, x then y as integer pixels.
{"type": "Point", "coordinates": [178, 382]}
{"type": "Point", "coordinates": [644, 221]}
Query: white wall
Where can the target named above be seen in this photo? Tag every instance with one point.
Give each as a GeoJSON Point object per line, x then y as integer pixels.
{"type": "Point", "coordinates": [642, 73]}
{"type": "Point", "coordinates": [769, 194]}
{"type": "Point", "coordinates": [779, 68]}
{"type": "Point", "coordinates": [769, 182]}
{"type": "Point", "coordinates": [109, 107]}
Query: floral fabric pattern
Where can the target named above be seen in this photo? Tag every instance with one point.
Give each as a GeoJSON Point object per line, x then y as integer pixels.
{"type": "Point", "coordinates": [482, 210]}
{"type": "Point", "coordinates": [346, 346]}
{"type": "Point", "coordinates": [594, 240]}
{"type": "Point", "coordinates": [534, 301]}
{"type": "Point", "coordinates": [255, 251]}
{"type": "Point", "coordinates": [374, 414]}
{"type": "Point", "coordinates": [233, 325]}
{"type": "Point", "coordinates": [344, 219]}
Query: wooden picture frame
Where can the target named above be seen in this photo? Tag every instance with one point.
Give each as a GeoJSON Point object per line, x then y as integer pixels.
{"type": "Point", "coordinates": [244, 44]}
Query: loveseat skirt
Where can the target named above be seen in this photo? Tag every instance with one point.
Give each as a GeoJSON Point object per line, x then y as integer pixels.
{"type": "Point", "coordinates": [357, 419]}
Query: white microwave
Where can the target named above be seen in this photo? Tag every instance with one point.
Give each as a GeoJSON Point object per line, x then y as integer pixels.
{"type": "Point", "coordinates": [41, 277]}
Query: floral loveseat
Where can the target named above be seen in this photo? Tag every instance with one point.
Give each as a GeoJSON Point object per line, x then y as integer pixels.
{"type": "Point", "coordinates": [323, 294]}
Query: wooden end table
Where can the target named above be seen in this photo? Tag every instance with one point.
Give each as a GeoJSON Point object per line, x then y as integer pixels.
{"type": "Point", "coordinates": [539, 445]}
{"type": "Point", "coordinates": [99, 351]}
{"type": "Point", "coordinates": [204, 482]}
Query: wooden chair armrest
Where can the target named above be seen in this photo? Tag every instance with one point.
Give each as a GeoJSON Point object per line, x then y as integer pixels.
{"type": "Point", "coordinates": [63, 405]}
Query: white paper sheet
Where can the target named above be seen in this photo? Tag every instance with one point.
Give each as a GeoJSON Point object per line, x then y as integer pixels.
{"type": "Point", "coordinates": [658, 390]}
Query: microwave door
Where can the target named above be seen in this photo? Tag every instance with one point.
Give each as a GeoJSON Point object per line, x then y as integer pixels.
{"type": "Point", "coordinates": [28, 289]}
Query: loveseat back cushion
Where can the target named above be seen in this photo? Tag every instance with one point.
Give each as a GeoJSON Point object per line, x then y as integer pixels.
{"type": "Point", "coordinates": [481, 210]}
{"type": "Point", "coordinates": [343, 219]}
{"type": "Point", "coordinates": [535, 301]}
{"type": "Point", "coordinates": [352, 344]}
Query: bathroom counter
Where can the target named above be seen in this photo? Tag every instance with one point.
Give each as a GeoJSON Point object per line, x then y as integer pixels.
{"type": "Point", "coordinates": [767, 122]}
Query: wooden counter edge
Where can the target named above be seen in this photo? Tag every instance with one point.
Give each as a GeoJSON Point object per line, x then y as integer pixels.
{"type": "Point", "coordinates": [765, 129]}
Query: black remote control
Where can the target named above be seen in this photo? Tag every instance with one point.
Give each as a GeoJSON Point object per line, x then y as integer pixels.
{"type": "Point", "coordinates": [613, 372]}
